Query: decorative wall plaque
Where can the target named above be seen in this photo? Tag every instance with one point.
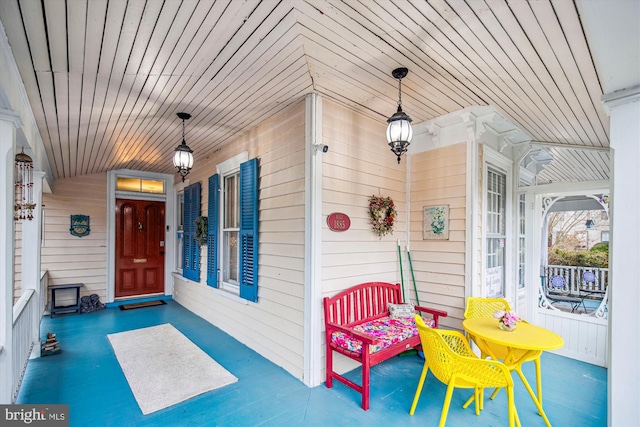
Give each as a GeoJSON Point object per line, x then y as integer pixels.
{"type": "Point", "coordinates": [80, 225]}
{"type": "Point", "coordinates": [338, 221]}
{"type": "Point", "coordinates": [435, 224]}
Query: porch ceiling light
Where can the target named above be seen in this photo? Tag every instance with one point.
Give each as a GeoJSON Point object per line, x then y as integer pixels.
{"type": "Point", "coordinates": [183, 155]}
{"type": "Point", "coordinates": [399, 131]}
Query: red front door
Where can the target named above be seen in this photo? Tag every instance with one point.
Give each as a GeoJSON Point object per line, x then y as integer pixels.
{"type": "Point", "coordinates": [140, 247]}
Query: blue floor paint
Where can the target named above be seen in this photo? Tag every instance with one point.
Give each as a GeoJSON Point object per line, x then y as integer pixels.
{"type": "Point", "coordinates": [87, 376]}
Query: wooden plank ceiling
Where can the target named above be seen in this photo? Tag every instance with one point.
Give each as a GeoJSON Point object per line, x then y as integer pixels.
{"type": "Point", "coordinates": [105, 78]}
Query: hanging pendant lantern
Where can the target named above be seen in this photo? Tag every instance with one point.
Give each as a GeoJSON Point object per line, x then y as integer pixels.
{"type": "Point", "coordinates": [183, 155]}
{"type": "Point", "coordinates": [23, 178]}
{"type": "Point", "coordinates": [399, 131]}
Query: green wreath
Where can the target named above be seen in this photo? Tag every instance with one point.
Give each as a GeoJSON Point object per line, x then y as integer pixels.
{"type": "Point", "coordinates": [202, 229]}
{"type": "Point", "coordinates": [382, 213]}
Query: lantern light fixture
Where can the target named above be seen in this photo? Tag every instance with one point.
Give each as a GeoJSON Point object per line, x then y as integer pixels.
{"type": "Point", "coordinates": [399, 131]}
{"type": "Point", "coordinates": [183, 155]}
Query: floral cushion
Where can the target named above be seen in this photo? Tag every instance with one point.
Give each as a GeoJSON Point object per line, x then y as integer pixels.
{"type": "Point", "coordinates": [386, 330]}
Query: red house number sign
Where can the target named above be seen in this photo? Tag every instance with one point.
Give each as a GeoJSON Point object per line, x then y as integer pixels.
{"type": "Point", "coordinates": [338, 221]}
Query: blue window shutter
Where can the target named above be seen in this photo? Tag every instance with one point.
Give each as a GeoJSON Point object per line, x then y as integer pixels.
{"type": "Point", "coordinates": [249, 230]}
{"type": "Point", "coordinates": [212, 237]}
{"type": "Point", "coordinates": [191, 248]}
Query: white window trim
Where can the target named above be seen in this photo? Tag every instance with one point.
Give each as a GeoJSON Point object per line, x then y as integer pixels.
{"type": "Point", "coordinates": [493, 159]}
{"type": "Point", "coordinates": [177, 189]}
{"type": "Point", "coordinates": [223, 169]}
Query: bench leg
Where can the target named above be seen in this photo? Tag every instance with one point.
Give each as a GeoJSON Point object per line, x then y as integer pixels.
{"type": "Point", "coordinates": [329, 367]}
{"type": "Point", "coordinates": [366, 380]}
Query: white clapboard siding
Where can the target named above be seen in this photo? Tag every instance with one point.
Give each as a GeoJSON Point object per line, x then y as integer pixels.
{"type": "Point", "coordinates": [357, 166]}
{"type": "Point", "coordinates": [438, 177]}
{"type": "Point", "coordinates": [585, 338]}
{"type": "Point", "coordinates": [71, 259]}
{"type": "Point", "coordinates": [274, 325]}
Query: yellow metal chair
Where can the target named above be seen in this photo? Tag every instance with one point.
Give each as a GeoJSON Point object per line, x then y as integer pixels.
{"type": "Point", "coordinates": [484, 308]}
{"type": "Point", "coordinates": [451, 360]}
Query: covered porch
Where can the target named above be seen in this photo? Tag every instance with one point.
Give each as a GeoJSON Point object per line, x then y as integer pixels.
{"type": "Point", "coordinates": [87, 376]}
{"type": "Point", "coordinates": [502, 116]}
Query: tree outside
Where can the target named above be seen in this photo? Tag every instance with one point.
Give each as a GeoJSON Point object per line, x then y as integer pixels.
{"type": "Point", "coordinates": [578, 238]}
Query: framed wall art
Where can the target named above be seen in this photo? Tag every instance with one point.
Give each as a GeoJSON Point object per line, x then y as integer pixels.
{"type": "Point", "coordinates": [435, 225]}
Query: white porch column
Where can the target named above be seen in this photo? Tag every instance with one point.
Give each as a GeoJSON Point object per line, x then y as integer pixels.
{"type": "Point", "coordinates": [31, 238]}
{"type": "Point", "coordinates": [624, 317]}
{"type": "Point", "coordinates": [8, 123]}
{"type": "Point", "coordinates": [313, 337]}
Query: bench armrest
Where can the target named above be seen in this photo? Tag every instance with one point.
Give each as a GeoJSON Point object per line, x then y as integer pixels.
{"type": "Point", "coordinates": [366, 339]}
{"type": "Point", "coordinates": [435, 313]}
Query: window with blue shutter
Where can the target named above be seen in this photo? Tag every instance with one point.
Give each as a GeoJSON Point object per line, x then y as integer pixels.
{"type": "Point", "coordinates": [191, 248]}
{"type": "Point", "coordinates": [249, 230]}
{"type": "Point", "coordinates": [212, 238]}
{"type": "Point", "coordinates": [232, 244]}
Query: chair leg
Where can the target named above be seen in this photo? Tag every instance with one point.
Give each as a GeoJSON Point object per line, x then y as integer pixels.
{"type": "Point", "coordinates": [512, 407]}
{"type": "Point", "coordinates": [447, 403]}
{"type": "Point", "coordinates": [495, 393]}
{"type": "Point", "coordinates": [468, 402]}
{"type": "Point", "coordinates": [476, 393]}
{"type": "Point", "coordinates": [423, 375]}
{"type": "Point", "coordinates": [533, 397]}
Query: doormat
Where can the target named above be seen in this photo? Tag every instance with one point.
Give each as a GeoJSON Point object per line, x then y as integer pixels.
{"type": "Point", "coordinates": [142, 304]}
{"type": "Point", "coordinates": [163, 367]}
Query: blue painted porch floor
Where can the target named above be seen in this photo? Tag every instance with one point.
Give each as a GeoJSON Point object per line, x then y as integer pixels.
{"type": "Point", "coordinates": [87, 376]}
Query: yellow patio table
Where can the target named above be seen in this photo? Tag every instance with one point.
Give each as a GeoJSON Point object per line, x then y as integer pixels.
{"type": "Point", "coordinates": [525, 343]}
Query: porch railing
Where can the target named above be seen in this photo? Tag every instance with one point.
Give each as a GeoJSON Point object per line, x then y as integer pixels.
{"type": "Point", "coordinates": [580, 282]}
{"type": "Point", "coordinates": [27, 312]}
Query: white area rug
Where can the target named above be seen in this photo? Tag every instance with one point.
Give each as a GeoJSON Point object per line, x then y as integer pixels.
{"type": "Point", "coordinates": [163, 367]}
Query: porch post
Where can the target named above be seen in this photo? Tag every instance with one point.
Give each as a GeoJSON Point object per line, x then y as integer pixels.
{"type": "Point", "coordinates": [624, 316]}
{"type": "Point", "coordinates": [312, 374]}
{"type": "Point", "coordinates": [8, 123]}
{"type": "Point", "coordinates": [31, 238]}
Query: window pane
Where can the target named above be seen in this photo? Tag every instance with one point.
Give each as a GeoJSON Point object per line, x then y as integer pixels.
{"type": "Point", "coordinates": [495, 234]}
{"type": "Point", "coordinates": [231, 190]}
{"type": "Point", "coordinates": [231, 257]}
{"type": "Point", "coordinates": [152, 186]}
{"type": "Point", "coordinates": [139, 185]}
{"type": "Point", "coordinates": [180, 208]}
{"type": "Point", "coordinates": [128, 184]}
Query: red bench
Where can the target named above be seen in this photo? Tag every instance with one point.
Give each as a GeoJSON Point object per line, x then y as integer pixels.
{"type": "Point", "coordinates": [358, 325]}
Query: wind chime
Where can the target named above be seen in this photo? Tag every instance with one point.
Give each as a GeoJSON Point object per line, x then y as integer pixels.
{"type": "Point", "coordinates": [24, 205]}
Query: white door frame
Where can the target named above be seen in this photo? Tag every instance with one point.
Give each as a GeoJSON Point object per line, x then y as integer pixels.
{"type": "Point", "coordinates": [167, 197]}
{"type": "Point", "coordinates": [585, 338]}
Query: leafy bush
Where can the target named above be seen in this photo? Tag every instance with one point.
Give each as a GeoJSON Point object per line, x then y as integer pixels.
{"type": "Point", "coordinates": [579, 258]}
{"type": "Point", "coordinates": [600, 247]}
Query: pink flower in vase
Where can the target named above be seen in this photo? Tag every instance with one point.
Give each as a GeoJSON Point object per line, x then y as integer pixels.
{"type": "Point", "coordinates": [507, 319]}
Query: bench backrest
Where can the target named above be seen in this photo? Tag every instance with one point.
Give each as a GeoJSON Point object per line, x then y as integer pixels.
{"type": "Point", "coordinates": [361, 303]}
